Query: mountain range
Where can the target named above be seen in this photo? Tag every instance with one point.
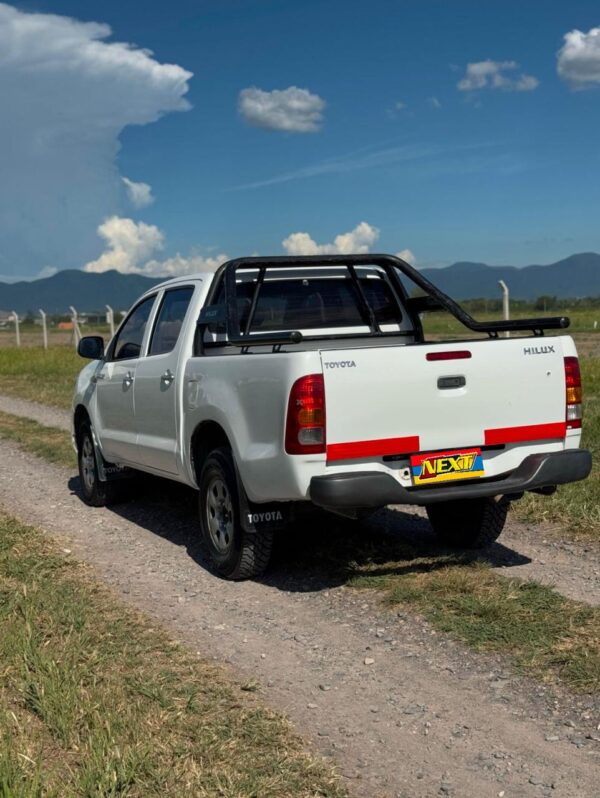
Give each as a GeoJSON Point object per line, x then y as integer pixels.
{"type": "Point", "coordinates": [575, 276]}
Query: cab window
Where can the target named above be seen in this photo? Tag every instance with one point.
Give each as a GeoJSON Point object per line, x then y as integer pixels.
{"type": "Point", "coordinates": [128, 343]}
{"type": "Point", "coordinates": [170, 320]}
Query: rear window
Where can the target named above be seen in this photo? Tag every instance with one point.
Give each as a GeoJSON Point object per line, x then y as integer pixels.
{"type": "Point", "coordinates": [314, 303]}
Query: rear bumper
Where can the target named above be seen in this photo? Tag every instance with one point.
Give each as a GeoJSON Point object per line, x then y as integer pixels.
{"type": "Point", "coordinates": [374, 489]}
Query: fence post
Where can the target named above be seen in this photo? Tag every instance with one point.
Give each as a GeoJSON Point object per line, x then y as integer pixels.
{"type": "Point", "coordinates": [44, 329]}
{"type": "Point", "coordinates": [76, 331]}
{"type": "Point", "coordinates": [505, 304]}
{"type": "Point", "coordinates": [110, 318]}
{"type": "Point", "coordinates": [15, 316]}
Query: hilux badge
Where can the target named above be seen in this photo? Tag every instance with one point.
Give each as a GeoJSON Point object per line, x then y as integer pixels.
{"type": "Point", "coordinates": [538, 350]}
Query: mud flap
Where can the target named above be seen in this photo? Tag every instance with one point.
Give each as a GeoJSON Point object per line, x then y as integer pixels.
{"type": "Point", "coordinates": [262, 517]}
{"type": "Point", "coordinates": [109, 472]}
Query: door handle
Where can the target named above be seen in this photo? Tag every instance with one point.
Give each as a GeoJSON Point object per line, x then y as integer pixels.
{"type": "Point", "coordinates": [167, 377]}
{"type": "Point", "coordinates": [128, 379]}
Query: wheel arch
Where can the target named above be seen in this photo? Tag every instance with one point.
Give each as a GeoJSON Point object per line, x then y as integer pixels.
{"type": "Point", "coordinates": [208, 435]}
{"type": "Point", "coordinates": [80, 415]}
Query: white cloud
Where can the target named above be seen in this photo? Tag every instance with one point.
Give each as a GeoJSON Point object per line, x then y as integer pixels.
{"type": "Point", "coordinates": [293, 109]}
{"type": "Point", "coordinates": [128, 244]}
{"type": "Point", "coordinates": [140, 194]}
{"type": "Point", "coordinates": [65, 95]}
{"type": "Point", "coordinates": [433, 102]}
{"type": "Point", "coordinates": [357, 241]}
{"type": "Point", "coordinates": [130, 247]}
{"type": "Point", "coordinates": [579, 59]}
{"type": "Point", "coordinates": [407, 255]}
{"type": "Point", "coordinates": [492, 75]}
{"type": "Point", "coordinates": [179, 264]}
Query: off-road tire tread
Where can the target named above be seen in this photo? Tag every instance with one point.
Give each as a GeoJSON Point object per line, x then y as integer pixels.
{"type": "Point", "coordinates": [255, 547]}
{"type": "Point", "coordinates": [470, 523]}
{"type": "Point", "coordinates": [256, 553]}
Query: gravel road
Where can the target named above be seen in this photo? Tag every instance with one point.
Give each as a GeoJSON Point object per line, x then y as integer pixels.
{"type": "Point", "coordinates": [50, 416]}
{"type": "Point", "coordinates": [402, 710]}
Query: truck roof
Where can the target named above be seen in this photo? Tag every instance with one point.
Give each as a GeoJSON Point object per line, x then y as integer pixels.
{"type": "Point", "coordinates": [183, 278]}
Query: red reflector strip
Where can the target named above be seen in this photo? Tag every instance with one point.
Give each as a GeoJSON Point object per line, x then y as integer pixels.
{"type": "Point", "coordinates": [378, 448]}
{"type": "Point", "coordinates": [458, 354]}
{"type": "Point", "coordinates": [531, 432]}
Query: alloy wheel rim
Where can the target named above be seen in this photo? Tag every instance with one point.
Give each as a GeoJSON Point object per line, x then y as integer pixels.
{"type": "Point", "coordinates": [88, 466]}
{"type": "Point", "coordinates": [219, 515]}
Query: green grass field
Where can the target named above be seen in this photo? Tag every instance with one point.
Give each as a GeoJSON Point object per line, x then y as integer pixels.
{"type": "Point", "coordinates": [38, 375]}
{"type": "Point", "coordinates": [582, 320]}
{"type": "Point", "coordinates": [96, 702]}
{"type": "Point", "coordinates": [575, 508]}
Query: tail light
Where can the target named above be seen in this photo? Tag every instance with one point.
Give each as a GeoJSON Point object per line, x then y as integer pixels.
{"type": "Point", "coordinates": [305, 424]}
{"type": "Point", "coordinates": [574, 393]}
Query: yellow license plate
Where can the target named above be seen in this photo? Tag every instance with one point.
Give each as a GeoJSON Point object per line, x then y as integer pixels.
{"type": "Point", "coordinates": [429, 469]}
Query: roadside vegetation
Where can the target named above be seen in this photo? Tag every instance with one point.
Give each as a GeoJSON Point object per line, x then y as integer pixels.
{"type": "Point", "coordinates": [575, 508]}
{"type": "Point", "coordinates": [45, 376]}
{"type": "Point", "coordinates": [584, 314]}
{"type": "Point", "coordinates": [52, 444]}
{"type": "Point", "coordinates": [96, 702]}
{"type": "Point", "coordinates": [544, 634]}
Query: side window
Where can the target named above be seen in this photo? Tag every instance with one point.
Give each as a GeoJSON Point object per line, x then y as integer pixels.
{"type": "Point", "coordinates": [170, 320]}
{"type": "Point", "coordinates": [130, 337]}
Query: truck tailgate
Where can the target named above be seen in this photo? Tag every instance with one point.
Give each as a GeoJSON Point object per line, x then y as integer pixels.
{"type": "Point", "coordinates": [391, 400]}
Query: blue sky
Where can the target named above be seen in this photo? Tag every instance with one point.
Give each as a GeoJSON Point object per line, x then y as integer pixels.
{"type": "Point", "coordinates": [405, 137]}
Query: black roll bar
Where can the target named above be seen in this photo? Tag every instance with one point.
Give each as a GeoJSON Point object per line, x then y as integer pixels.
{"type": "Point", "coordinates": [435, 299]}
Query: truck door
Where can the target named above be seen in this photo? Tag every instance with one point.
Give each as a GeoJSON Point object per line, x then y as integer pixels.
{"type": "Point", "coordinates": [115, 387]}
{"type": "Point", "coordinates": [157, 379]}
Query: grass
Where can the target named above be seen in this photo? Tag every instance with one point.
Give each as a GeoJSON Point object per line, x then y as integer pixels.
{"type": "Point", "coordinates": [575, 508]}
{"type": "Point", "coordinates": [38, 375]}
{"type": "Point", "coordinates": [95, 702]}
{"type": "Point", "coordinates": [50, 443]}
{"type": "Point", "coordinates": [582, 320]}
{"type": "Point", "coordinates": [541, 632]}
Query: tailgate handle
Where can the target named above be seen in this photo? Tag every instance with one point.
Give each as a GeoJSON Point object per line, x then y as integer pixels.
{"type": "Point", "coordinates": [451, 382]}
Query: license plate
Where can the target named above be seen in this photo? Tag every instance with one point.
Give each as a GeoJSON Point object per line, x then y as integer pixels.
{"type": "Point", "coordinates": [429, 469]}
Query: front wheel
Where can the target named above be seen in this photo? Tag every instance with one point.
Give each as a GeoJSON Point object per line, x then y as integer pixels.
{"type": "Point", "coordinates": [469, 523]}
{"type": "Point", "coordinates": [233, 552]}
{"type": "Point", "coordinates": [94, 492]}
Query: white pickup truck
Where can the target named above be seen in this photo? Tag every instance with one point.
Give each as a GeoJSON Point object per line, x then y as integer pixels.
{"type": "Point", "coordinates": [278, 381]}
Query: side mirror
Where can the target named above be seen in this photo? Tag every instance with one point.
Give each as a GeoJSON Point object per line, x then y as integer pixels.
{"type": "Point", "coordinates": [91, 347]}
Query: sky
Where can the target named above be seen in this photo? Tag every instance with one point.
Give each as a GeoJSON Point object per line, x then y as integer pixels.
{"type": "Point", "coordinates": [163, 138]}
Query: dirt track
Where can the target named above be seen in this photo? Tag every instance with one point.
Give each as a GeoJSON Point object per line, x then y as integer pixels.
{"type": "Point", "coordinates": [427, 718]}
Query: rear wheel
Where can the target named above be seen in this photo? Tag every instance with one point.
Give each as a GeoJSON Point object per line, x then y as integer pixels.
{"type": "Point", "coordinates": [469, 523]}
{"type": "Point", "coordinates": [233, 552]}
{"type": "Point", "coordinates": [95, 492]}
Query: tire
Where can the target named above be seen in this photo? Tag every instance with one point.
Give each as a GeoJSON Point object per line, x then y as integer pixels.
{"type": "Point", "coordinates": [233, 553]}
{"type": "Point", "coordinates": [469, 523]}
{"type": "Point", "coordinates": [93, 491]}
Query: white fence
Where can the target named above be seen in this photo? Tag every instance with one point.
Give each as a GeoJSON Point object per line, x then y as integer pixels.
{"type": "Point", "coordinates": [75, 325]}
